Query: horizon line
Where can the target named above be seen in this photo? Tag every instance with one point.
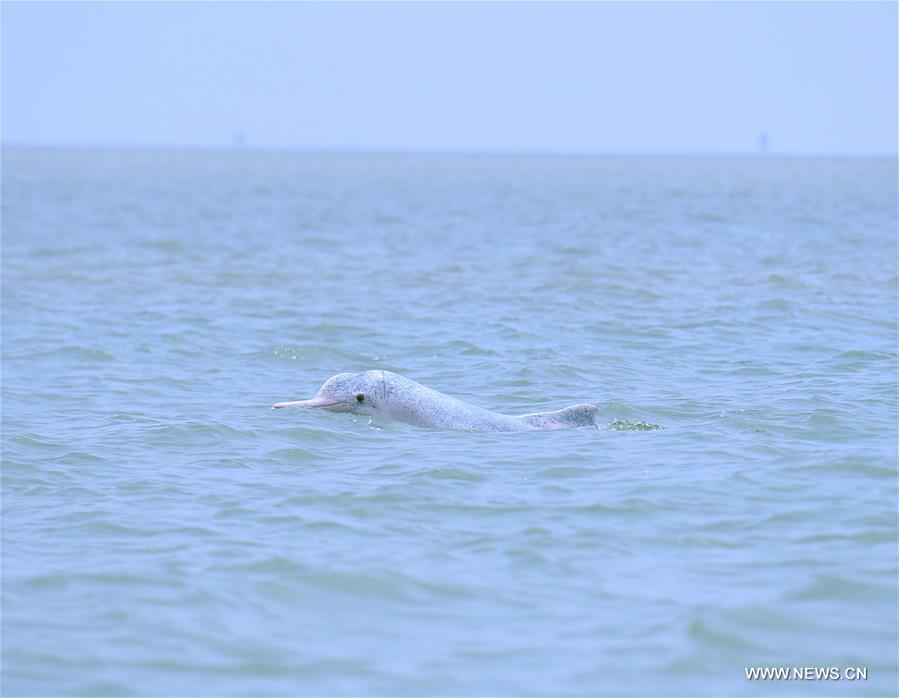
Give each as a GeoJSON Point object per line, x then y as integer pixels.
{"type": "Point", "coordinates": [432, 151]}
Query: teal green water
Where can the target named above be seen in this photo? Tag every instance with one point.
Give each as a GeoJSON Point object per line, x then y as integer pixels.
{"type": "Point", "coordinates": [166, 533]}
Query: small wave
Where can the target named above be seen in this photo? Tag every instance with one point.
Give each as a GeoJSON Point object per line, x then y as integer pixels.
{"type": "Point", "coordinates": [292, 454]}
{"type": "Point", "coordinates": [632, 425]}
{"type": "Point", "coordinates": [444, 473]}
{"type": "Point", "coordinates": [838, 588]}
{"type": "Point", "coordinates": [37, 441]}
{"type": "Point", "coordinates": [718, 636]}
{"type": "Point", "coordinates": [71, 351]}
{"type": "Point", "coordinates": [78, 457]}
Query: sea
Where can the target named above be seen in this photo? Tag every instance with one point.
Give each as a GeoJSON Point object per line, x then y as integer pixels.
{"type": "Point", "coordinates": [166, 533]}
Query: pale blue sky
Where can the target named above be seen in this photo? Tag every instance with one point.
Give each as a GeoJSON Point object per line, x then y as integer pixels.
{"type": "Point", "coordinates": [818, 78]}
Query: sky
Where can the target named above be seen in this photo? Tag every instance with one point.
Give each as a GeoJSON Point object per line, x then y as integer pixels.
{"type": "Point", "coordinates": [641, 77]}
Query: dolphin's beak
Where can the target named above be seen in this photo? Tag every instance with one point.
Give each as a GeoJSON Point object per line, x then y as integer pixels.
{"type": "Point", "coordinates": [315, 402]}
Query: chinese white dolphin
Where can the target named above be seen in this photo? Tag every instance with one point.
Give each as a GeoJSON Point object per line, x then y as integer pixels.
{"type": "Point", "coordinates": [392, 396]}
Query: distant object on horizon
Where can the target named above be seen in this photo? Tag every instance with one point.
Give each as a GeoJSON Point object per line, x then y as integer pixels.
{"type": "Point", "coordinates": [762, 143]}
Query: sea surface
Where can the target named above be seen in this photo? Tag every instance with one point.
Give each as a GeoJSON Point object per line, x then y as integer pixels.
{"type": "Point", "coordinates": [165, 532]}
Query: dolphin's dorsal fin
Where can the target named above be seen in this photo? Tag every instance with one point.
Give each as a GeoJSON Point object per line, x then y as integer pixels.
{"type": "Point", "coordinates": [574, 417]}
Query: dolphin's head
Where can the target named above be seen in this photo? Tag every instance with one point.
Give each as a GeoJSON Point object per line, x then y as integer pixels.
{"type": "Point", "coordinates": [359, 393]}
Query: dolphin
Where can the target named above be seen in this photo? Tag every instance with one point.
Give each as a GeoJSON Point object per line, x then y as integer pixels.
{"type": "Point", "coordinates": [390, 395]}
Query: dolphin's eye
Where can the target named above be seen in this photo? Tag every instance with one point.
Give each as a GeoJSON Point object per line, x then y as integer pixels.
{"type": "Point", "coordinates": [360, 398]}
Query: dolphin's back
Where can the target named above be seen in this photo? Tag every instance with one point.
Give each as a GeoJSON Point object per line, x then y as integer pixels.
{"type": "Point", "coordinates": [408, 401]}
{"type": "Point", "coordinates": [574, 417]}
{"type": "Point", "coordinates": [414, 403]}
